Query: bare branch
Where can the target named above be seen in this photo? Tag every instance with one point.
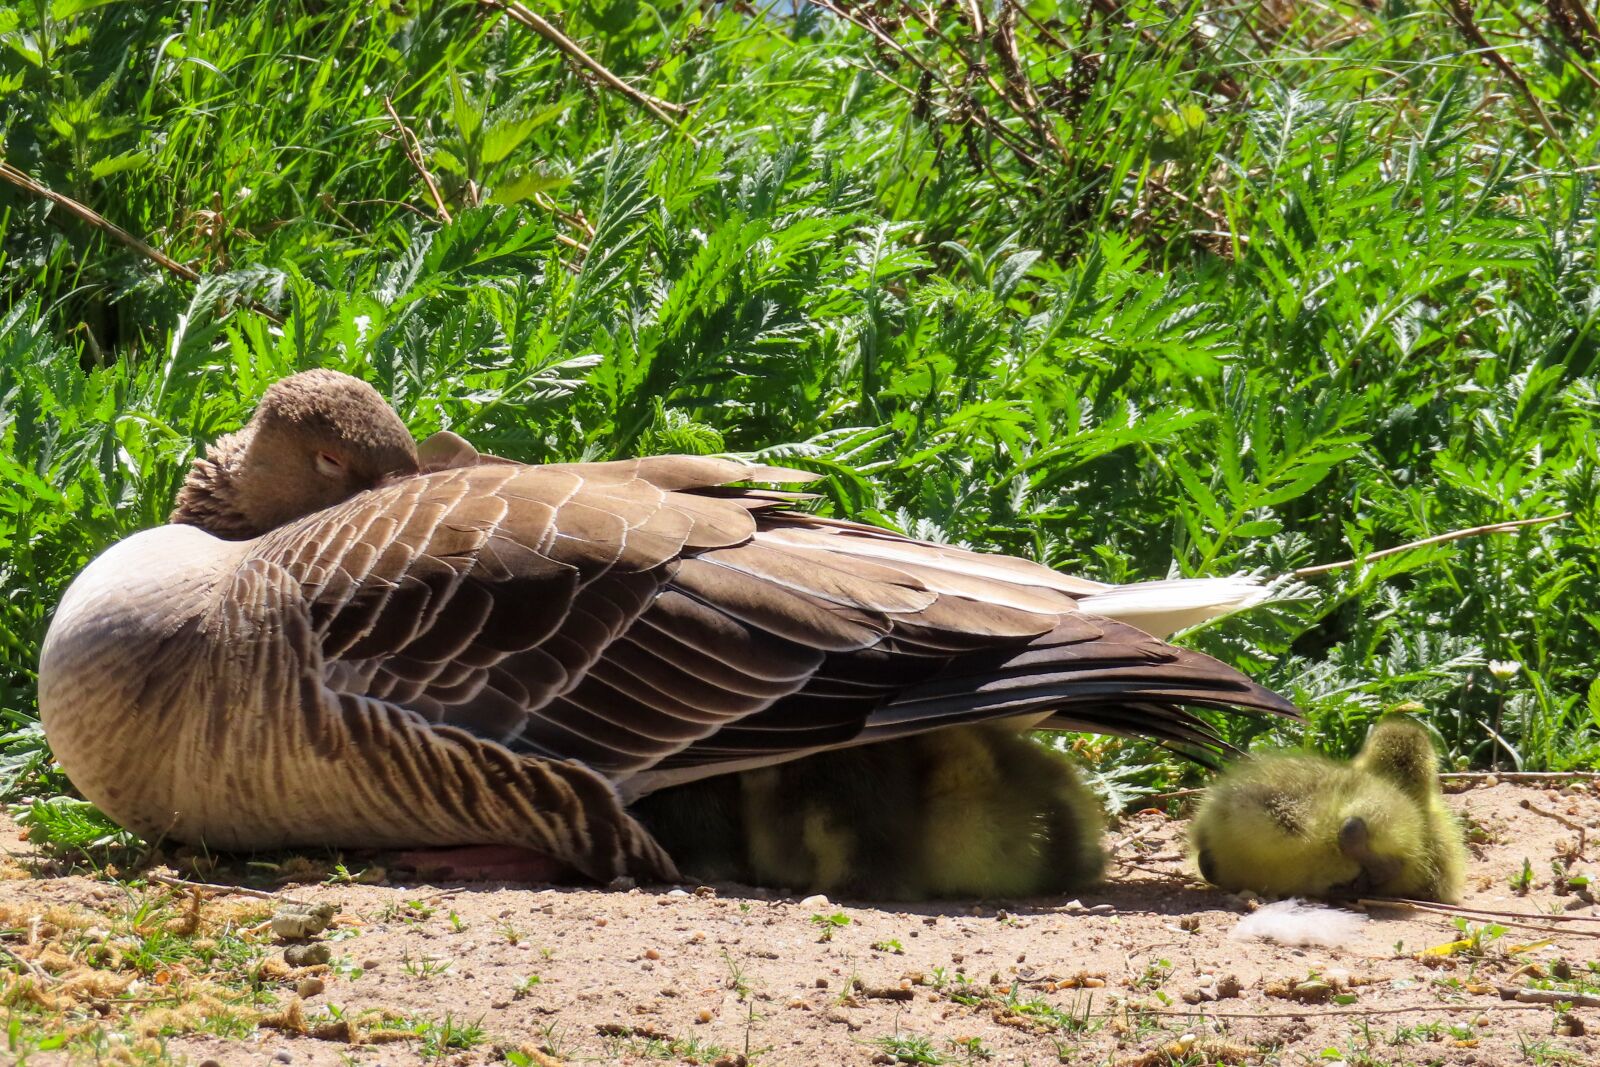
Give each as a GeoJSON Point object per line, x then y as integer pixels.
{"type": "Point", "coordinates": [89, 215]}
{"type": "Point", "coordinates": [1453, 535]}
{"type": "Point", "coordinates": [216, 889]}
{"type": "Point", "coordinates": [1461, 14]}
{"type": "Point", "coordinates": [413, 150]}
{"type": "Point", "coordinates": [1547, 777]}
{"type": "Point", "coordinates": [1304, 1014]}
{"type": "Point", "coordinates": [664, 111]}
{"type": "Point", "coordinates": [1500, 917]}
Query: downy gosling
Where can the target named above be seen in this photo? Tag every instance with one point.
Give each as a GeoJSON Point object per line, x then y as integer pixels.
{"type": "Point", "coordinates": [1300, 824]}
{"type": "Point", "coordinates": [979, 811]}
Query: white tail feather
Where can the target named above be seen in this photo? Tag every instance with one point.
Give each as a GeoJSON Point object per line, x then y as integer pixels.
{"type": "Point", "coordinates": [1163, 608]}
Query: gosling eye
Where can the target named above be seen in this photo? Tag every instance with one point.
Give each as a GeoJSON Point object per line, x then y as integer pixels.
{"type": "Point", "coordinates": [329, 465]}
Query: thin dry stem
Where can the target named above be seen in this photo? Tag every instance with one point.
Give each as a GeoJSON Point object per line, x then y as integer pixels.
{"type": "Point", "coordinates": [220, 890]}
{"type": "Point", "coordinates": [87, 214]}
{"type": "Point", "coordinates": [1548, 996]}
{"type": "Point", "coordinates": [1522, 776]}
{"type": "Point", "coordinates": [1500, 917]}
{"type": "Point", "coordinates": [1438, 539]}
{"type": "Point", "coordinates": [1461, 14]}
{"type": "Point", "coordinates": [1304, 1014]}
{"type": "Point", "coordinates": [1583, 831]}
{"type": "Point", "coordinates": [664, 111]}
{"type": "Point", "coordinates": [413, 150]}
{"type": "Point", "coordinates": [39, 973]}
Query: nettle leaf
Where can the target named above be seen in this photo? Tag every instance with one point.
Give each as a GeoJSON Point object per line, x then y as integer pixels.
{"type": "Point", "coordinates": [104, 168]}
{"type": "Point", "coordinates": [526, 185]}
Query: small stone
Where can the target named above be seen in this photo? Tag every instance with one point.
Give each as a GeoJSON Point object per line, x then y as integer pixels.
{"type": "Point", "coordinates": [704, 891]}
{"type": "Point", "coordinates": [1072, 907]}
{"type": "Point", "coordinates": [677, 894]}
{"type": "Point", "coordinates": [1189, 924]}
{"type": "Point", "coordinates": [292, 921]}
{"type": "Point", "coordinates": [1312, 992]}
{"type": "Point", "coordinates": [821, 983]}
{"type": "Point", "coordinates": [889, 993]}
{"type": "Point", "coordinates": [816, 900]}
{"type": "Point", "coordinates": [310, 955]}
{"type": "Point", "coordinates": [371, 965]}
{"type": "Point", "coordinates": [209, 1063]}
{"type": "Point", "coordinates": [601, 921]}
{"type": "Point", "coordinates": [309, 987]}
{"type": "Point", "coordinates": [703, 1016]}
{"type": "Point", "coordinates": [651, 954]}
{"type": "Point", "coordinates": [283, 1055]}
{"type": "Point", "coordinates": [1103, 909]}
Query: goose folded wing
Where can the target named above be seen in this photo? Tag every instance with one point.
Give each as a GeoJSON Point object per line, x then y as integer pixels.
{"type": "Point", "coordinates": [658, 624]}
{"type": "Point", "coordinates": [480, 595]}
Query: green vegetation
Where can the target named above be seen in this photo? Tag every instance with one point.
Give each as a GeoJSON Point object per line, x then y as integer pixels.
{"type": "Point", "coordinates": [1127, 288]}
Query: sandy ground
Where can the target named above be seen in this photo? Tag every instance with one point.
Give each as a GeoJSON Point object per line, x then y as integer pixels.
{"type": "Point", "coordinates": [728, 975]}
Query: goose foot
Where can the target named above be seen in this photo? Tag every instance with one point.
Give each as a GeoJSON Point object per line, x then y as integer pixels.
{"type": "Point", "coordinates": [484, 863]}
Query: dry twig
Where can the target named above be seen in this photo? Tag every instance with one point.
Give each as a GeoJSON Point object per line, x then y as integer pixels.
{"type": "Point", "coordinates": [1499, 917]}
{"type": "Point", "coordinates": [1551, 777]}
{"type": "Point", "coordinates": [43, 976]}
{"type": "Point", "coordinates": [1548, 996]}
{"type": "Point", "coordinates": [664, 111]}
{"type": "Point", "coordinates": [1438, 539]}
{"type": "Point", "coordinates": [413, 150]}
{"type": "Point", "coordinates": [1200, 1012]}
{"type": "Point", "coordinates": [87, 214]}
{"type": "Point", "coordinates": [219, 890]}
{"type": "Point", "coordinates": [1461, 14]}
{"type": "Point", "coordinates": [1583, 831]}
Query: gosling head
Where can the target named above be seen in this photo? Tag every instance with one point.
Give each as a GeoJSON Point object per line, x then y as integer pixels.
{"type": "Point", "coordinates": [1400, 750]}
{"type": "Point", "coordinates": [316, 439]}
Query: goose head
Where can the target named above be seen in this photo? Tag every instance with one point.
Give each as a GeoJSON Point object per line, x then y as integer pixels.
{"type": "Point", "coordinates": [316, 439]}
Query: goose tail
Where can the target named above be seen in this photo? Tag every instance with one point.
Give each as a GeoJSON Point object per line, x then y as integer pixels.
{"type": "Point", "coordinates": [1162, 608]}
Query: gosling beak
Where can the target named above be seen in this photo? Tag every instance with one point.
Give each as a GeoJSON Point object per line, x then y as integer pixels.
{"type": "Point", "coordinates": [1355, 842]}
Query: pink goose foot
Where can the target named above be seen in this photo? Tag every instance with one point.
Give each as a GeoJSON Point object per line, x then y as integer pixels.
{"type": "Point", "coordinates": [484, 863]}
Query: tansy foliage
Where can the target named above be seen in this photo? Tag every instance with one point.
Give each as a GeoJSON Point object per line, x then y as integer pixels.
{"type": "Point", "coordinates": [1129, 288]}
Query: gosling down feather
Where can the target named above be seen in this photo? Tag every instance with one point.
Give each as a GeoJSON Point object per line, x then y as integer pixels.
{"type": "Point", "coordinates": [342, 641]}
{"type": "Point", "coordinates": [1300, 824]}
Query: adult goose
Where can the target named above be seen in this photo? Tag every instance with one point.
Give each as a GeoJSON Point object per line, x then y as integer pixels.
{"type": "Point", "coordinates": [340, 641]}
